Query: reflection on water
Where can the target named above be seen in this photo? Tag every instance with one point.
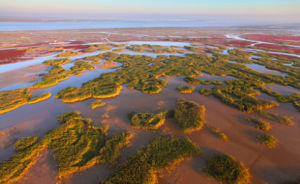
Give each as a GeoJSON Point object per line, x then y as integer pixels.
{"type": "Point", "coordinates": [215, 77]}
{"type": "Point", "coordinates": [263, 69]}
{"type": "Point", "coordinates": [284, 90]}
{"type": "Point", "coordinates": [17, 86]}
{"type": "Point", "coordinates": [14, 66]}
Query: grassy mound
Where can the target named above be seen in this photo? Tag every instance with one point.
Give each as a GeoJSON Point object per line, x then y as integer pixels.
{"type": "Point", "coordinates": [97, 103]}
{"type": "Point", "coordinates": [275, 117]}
{"type": "Point", "coordinates": [25, 142]}
{"type": "Point", "coordinates": [205, 92]}
{"type": "Point", "coordinates": [55, 75]}
{"type": "Point", "coordinates": [261, 124]}
{"type": "Point", "coordinates": [81, 66]}
{"type": "Point", "coordinates": [268, 140]}
{"type": "Point", "coordinates": [40, 98]}
{"type": "Point", "coordinates": [185, 89]}
{"type": "Point", "coordinates": [240, 94]}
{"type": "Point", "coordinates": [57, 62]}
{"type": "Point", "coordinates": [189, 116]}
{"type": "Point", "coordinates": [68, 53]}
{"type": "Point", "coordinates": [10, 100]}
{"type": "Point", "coordinates": [226, 169]}
{"type": "Point", "coordinates": [147, 121]}
{"type": "Point", "coordinates": [160, 154]}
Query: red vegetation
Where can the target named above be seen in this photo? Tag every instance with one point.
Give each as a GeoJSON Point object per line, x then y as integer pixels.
{"type": "Point", "coordinates": [278, 48]}
{"type": "Point", "coordinates": [270, 38]}
{"type": "Point", "coordinates": [283, 56]}
{"type": "Point", "coordinates": [77, 42]}
{"type": "Point", "coordinates": [10, 55]}
{"type": "Point", "coordinates": [76, 47]}
{"type": "Point", "coordinates": [239, 43]}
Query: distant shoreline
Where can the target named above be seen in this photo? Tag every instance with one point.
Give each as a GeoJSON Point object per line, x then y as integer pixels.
{"type": "Point", "coordinates": [104, 24]}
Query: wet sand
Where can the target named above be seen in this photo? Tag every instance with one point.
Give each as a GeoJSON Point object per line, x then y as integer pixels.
{"type": "Point", "coordinates": [266, 166]}
{"type": "Point", "coordinates": [272, 166]}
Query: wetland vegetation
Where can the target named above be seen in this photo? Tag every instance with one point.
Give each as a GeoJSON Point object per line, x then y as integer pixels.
{"type": "Point", "coordinates": [185, 89]}
{"type": "Point", "coordinates": [226, 169]}
{"type": "Point", "coordinates": [76, 145]}
{"type": "Point", "coordinates": [161, 154]}
{"type": "Point", "coordinates": [268, 140]}
{"type": "Point", "coordinates": [147, 121]}
{"type": "Point", "coordinates": [189, 116]}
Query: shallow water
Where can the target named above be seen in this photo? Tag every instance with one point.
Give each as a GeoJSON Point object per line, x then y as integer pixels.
{"type": "Point", "coordinates": [263, 69]}
{"type": "Point", "coordinates": [215, 77]}
{"type": "Point", "coordinates": [14, 66]}
{"type": "Point", "coordinates": [284, 90]}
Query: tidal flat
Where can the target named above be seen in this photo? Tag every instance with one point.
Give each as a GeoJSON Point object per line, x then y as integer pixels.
{"type": "Point", "coordinates": [145, 75]}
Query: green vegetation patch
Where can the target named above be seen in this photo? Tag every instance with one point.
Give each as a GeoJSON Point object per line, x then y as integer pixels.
{"type": "Point", "coordinates": [205, 92]}
{"type": "Point", "coordinates": [55, 75]}
{"type": "Point", "coordinates": [73, 94]}
{"type": "Point", "coordinates": [145, 73]}
{"type": "Point", "coordinates": [25, 142]}
{"type": "Point", "coordinates": [185, 89]}
{"type": "Point", "coordinates": [226, 169]}
{"type": "Point", "coordinates": [97, 103]}
{"type": "Point", "coordinates": [147, 121]}
{"type": "Point", "coordinates": [240, 94]}
{"type": "Point", "coordinates": [81, 66]}
{"type": "Point", "coordinates": [160, 154]}
{"type": "Point", "coordinates": [57, 62]}
{"type": "Point", "coordinates": [217, 132]}
{"type": "Point", "coordinates": [189, 116]}
{"type": "Point", "coordinates": [68, 53]}
{"type": "Point", "coordinates": [10, 100]}
{"type": "Point", "coordinates": [76, 145]}
{"type": "Point", "coordinates": [195, 81]}
{"type": "Point", "coordinates": [261, 124]}
{"type": "Point", "coordinates": [268, 140]}
{"type": "Point", "coordinates": [39, 98]}
{"type": "Point", "coordinates": [277, 118]}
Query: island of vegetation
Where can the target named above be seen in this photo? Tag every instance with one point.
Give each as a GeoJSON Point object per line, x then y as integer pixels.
{"type": "Point", "coordinates": [147, 121]}
{"type": "Point", "coordinates": [11, 100]}
{"type": "Point", "coordinates": [189, 116]}
{"type": "Point", "coordinates": [261, 124]}
{"type": "Point", "coordinates": [268, 140]}
{"type": "Point", "coordinates": [161, 154]}
{"type": "Point", "coordinates": [76, 145]}
{"type": "Point", "coordinates": [185, 89]}
{"type": "Point", "coordinates": [25, 142]}
{"type": "Point", "coordinates": [97, 103]}
{"type": "Point", "coordinates": [226, 169]}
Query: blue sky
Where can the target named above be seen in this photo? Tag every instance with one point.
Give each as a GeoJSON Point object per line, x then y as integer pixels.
{"type": "Point", "coordinates": [259, 9]}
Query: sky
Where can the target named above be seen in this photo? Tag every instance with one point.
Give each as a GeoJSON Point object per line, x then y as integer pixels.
{"type": "Point", "coordinates": [275, 10]}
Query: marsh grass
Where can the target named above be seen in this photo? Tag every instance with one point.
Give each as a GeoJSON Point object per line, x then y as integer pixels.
{"type": "Point", "coordinates": [25, 142]}
{"type": "Point", "coordinates": [161, 154]}
{"type": "Point", "coordinates": [268, 140]}
{"type": "Point", "coordinates": [10, 100]}
{"type": "Point", "coordinates": [226, 169]}
{"type": "Point", "coordinates": [76, 145]}
{"type": "Point", "coordinates": [147, 121]}
{"type": "Point", "coordinates": [189, 116]}
{"type": "Point", "coordinates": [205, 92]}
{"type": "Point", "coordinates": [260, 124]}
{"type": "Point", "coordinates": [97, 103]}
{"type": "Point", "coordinates": [185, 89]}
{"type": "Point", "coordinates": [277, 118]}
{"type": "Point", "coordinates": [39, 98]}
